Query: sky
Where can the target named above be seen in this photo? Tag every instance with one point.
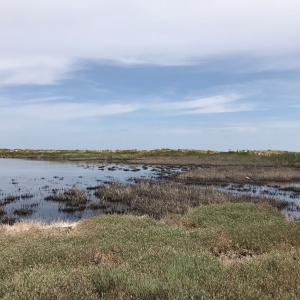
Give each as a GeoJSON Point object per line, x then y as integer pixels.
{"type": "Point", "coordinates": [108, 74]}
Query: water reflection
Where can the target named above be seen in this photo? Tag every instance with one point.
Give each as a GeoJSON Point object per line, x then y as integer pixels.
{"type": "Point", "coordinates": [24, 185]}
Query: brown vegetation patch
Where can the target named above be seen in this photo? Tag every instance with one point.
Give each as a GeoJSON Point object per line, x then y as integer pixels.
{"type": "Point", "coordinates": [99, 257]}
{"type": "Point", "coordinates": [231, 257]}
{"type": "Point", "coordinates": [224, 249]}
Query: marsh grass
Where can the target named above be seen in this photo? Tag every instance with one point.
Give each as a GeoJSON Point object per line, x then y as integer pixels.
{"type": "Point", "coordinates": [160, 198]}
{"type": "Point", "coordinates": [290, 158]}
{"type": "Point", "coordinates": [151, 156]}
{"type": "Point", "coordinates": [130, 257]}
{"type": "Point", "coordinates": [203, 158]}
{"type": "Point", "coordinates": [240, 174]}
{"type": "Point", "coordinates": [162, 156]}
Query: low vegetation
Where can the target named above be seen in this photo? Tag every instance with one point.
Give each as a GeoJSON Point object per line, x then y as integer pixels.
{"type": "Point", "coordinates": [222, 251]}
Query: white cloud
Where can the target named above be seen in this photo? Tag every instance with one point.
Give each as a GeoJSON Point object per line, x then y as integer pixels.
{"type": "Point", "coordinates": [42, 40]}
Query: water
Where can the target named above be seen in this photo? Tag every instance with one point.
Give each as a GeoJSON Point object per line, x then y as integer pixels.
{"type": "Point", "coordinates": [31, 181]}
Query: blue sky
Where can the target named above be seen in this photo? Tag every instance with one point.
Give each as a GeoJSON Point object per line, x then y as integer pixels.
{"type": "Point", "coordinates": [163, 74]}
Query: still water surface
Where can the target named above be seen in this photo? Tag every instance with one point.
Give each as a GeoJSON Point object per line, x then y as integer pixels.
{"type": "Point", "coordinates": [38, 179]}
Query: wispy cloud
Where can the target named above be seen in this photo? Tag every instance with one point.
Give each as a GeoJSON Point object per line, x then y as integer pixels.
{"type": "Point", "coordinates": [49, 109]}
{"type": "Point", "coordinates": [208, 105]}
{"type": "Point", "coordinates": [65, 111]}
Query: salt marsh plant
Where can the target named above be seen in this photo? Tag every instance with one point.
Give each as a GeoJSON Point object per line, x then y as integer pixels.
{"type": "Point", "coordinates": [204, 254]}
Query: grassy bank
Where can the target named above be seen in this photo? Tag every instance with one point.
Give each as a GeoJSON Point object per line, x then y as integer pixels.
{"type": "Point", "coordinates": [222, 251]}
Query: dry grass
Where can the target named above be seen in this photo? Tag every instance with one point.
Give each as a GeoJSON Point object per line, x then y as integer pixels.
{"type": "Point", "coordinates": [34, 228]}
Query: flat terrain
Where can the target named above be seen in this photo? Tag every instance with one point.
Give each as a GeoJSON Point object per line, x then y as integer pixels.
{"type": "Point", "coordinates": [161, 156]}
{"type": "Point", "coordinates": [176, 242]}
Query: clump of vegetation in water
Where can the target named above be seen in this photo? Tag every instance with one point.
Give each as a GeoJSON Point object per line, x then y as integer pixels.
{"type": "Point", "coordinates": [25, 210]}
{"type": "Point", "coordinates": [7, 219]}
{"type": "Point", "coordinates": [74, 200]}
{"type": "Point", "coordinates": [2, 212]}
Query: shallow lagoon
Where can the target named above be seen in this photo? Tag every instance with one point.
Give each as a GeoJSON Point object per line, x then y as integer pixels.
{"type": "Point", "coordinates": [30, 181]}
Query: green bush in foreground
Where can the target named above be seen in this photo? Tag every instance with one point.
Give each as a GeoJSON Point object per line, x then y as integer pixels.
{"type": "Point", "coordinates": [225, 251]}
